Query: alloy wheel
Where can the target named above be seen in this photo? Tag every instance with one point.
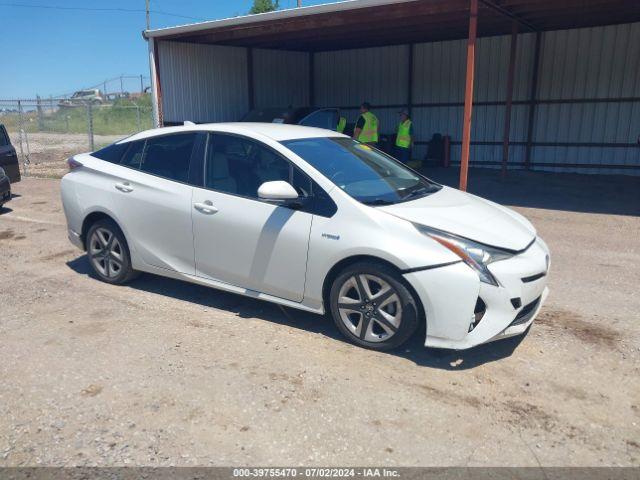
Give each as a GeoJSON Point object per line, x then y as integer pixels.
{"type": "Point", "coordinates": [369, 307]}
{"type": "Point", "coordinates": [106, 253]}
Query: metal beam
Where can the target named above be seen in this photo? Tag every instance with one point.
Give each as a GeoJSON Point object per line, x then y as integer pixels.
{"type": "Point", "coordinates": [156, 88]}
{"type": "Point", "coordinates": [558, 165]}
{"type": "Point", "coordinates": [498, 103]}
{"type": "Point", "coordinates": [509, 14]}
{"type": "Point", "coordinates": [410, 80]}
{"type": "Point", "coordinates": [250, 90]}
{"type": "Point", "coordinates": [468, 93]}
{"type": "Point", "coordinates": [312, 79]}
{"type": "Point", "coordinates": [532, 99]}
{"type": "Point", "coordinates": [547, 144]}
{"type": "Point", "coordinates": [507, 112]}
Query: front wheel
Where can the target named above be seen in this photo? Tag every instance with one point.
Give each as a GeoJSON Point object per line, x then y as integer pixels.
{"type": "Point", "coordinates": [372, 307]}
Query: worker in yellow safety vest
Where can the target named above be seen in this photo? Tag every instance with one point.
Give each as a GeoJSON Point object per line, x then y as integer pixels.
{"type": "Point", "coordinates": [404, 137]}
{"type": "Point", "coordinates": [342, 124]}
{"type": "Point", "coordinates": [366, 129]}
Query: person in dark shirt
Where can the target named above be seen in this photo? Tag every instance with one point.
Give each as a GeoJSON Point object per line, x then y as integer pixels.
{"type": "Point", "coordinates": [366, 129]}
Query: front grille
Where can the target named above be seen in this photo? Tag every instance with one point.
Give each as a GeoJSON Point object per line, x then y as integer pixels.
{"type": "Point", "coordinates": [526, 313]}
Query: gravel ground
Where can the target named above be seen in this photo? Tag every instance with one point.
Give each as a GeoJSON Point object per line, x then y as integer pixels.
{"type": "Point", "coordinates": [166, 373]}
{"type": "Point", "coordinates": [49, 151]}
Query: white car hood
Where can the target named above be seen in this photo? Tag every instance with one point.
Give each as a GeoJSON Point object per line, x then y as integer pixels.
{"type": "Point", "coordinates": [468, 216]}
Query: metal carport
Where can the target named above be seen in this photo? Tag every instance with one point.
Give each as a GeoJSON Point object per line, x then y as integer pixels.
{"type": "Point", "coordinates": [552, 84]}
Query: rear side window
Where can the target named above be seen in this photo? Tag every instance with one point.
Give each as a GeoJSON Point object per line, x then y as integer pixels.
{"type": "Point", "coordinates": [133, 154]}
{"type": "Point", "coordinates": [169, 156]}
{"type": "Point", "coordinates": [112, 153]}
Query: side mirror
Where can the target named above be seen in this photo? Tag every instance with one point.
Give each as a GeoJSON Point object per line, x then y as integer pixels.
{"type": "Point", "coordinates": [277, 191]}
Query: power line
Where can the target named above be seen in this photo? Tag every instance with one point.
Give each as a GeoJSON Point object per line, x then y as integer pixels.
{"type": "Point", "coordinates": [160, 12]}
{"type": "Point", "coordinates": [95, 9]}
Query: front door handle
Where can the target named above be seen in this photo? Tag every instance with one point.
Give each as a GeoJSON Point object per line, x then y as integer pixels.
{"type": "Point", "coordinates": [206, 207]}
{"type": "Point", "coordinates": [124, 187]}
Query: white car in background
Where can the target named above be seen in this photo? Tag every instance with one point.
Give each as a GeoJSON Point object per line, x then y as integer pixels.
{"type": "Point", "coordinates": [310, 219]}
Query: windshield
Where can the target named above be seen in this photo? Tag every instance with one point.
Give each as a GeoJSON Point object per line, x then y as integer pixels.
{"type": "Point", "coordinates": [365, 173]}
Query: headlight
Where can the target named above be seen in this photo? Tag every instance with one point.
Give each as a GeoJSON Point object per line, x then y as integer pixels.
{"type": "Point", "coordinates": [474, 254]}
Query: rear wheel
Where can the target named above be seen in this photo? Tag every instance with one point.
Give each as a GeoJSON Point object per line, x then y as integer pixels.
{"type": "Point", "coordinates": [109, 253]}
{"type": "Point", "coordinates": [372, 307]}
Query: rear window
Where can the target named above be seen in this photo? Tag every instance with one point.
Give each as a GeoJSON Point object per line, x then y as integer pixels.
{"type": "Point", "coordinates": [113, 153]}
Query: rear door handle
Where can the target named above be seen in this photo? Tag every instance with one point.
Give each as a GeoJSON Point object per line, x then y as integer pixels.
{"type": "Point", "coordinates": [206, 207]}
{"type": "Point", "coordinates": [124, 187]}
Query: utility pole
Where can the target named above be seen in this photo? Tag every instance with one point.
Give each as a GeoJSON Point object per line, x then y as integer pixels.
{"type": "Point", "coordinates": [147, 12]}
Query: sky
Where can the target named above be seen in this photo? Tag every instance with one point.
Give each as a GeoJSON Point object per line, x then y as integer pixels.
{"type": "Point", "coordinates": [57, 50]}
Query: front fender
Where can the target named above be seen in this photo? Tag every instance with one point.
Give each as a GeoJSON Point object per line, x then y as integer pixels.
{"type": "Point", "coordinates": [371, 233]}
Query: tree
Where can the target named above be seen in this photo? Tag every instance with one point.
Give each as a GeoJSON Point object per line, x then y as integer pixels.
{"type": "Point", "coordinates": [263, 6]}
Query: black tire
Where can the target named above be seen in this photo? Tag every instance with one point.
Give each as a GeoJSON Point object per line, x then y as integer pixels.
{"type": "Point", "coordinates": [384, 334]}
{"type": "Point", "coordinates": [111, 263]}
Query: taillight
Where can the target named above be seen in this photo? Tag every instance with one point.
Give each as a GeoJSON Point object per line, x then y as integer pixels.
{"type": "Point", "coordinates": [73, 164]}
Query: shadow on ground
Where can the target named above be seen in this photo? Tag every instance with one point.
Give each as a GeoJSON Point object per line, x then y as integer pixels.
{"type": "Point", "coordinates": [609, 194]}
{"type": "Point", "coordinates": [246, 307]}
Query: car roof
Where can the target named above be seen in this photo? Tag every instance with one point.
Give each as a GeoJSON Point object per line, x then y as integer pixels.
{"type": "Point", "coordinates": [275, 131]}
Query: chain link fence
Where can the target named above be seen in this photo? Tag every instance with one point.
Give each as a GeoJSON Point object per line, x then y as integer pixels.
{"type": "Point", "coordinates": [45, 132]}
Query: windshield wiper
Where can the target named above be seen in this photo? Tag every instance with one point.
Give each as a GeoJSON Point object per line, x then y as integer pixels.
{"type": "Point", "coordinates": [378, 201]}
{"type": "Point", "coordinates": [419, 192]}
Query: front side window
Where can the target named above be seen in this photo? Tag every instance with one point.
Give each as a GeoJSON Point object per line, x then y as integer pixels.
{"type": "Point", "coordinates": [365, 173]}
{"type": "Point", "coordinates": [169, 156]}
{"type": "Point", "coordinates": [239, 166]}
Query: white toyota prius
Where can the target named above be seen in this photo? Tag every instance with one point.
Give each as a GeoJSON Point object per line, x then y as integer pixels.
{"type": "Point", "coordinates": [310, 219]}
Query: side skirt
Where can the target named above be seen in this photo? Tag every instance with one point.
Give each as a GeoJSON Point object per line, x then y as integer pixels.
{"type": "Point", "coordinates": [227, 287]}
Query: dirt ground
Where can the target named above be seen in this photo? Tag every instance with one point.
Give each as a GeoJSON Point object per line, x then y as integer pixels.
{"type": "Point", "coordinates": [49, 151]}
{"type": "Point", "coordinates": [166, 373]}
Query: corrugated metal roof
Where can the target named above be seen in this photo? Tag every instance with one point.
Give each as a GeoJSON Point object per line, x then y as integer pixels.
{"type": "Point", "coordinates": [368, 23]}
{"type": "Point", "coordinates": [265, 17]}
